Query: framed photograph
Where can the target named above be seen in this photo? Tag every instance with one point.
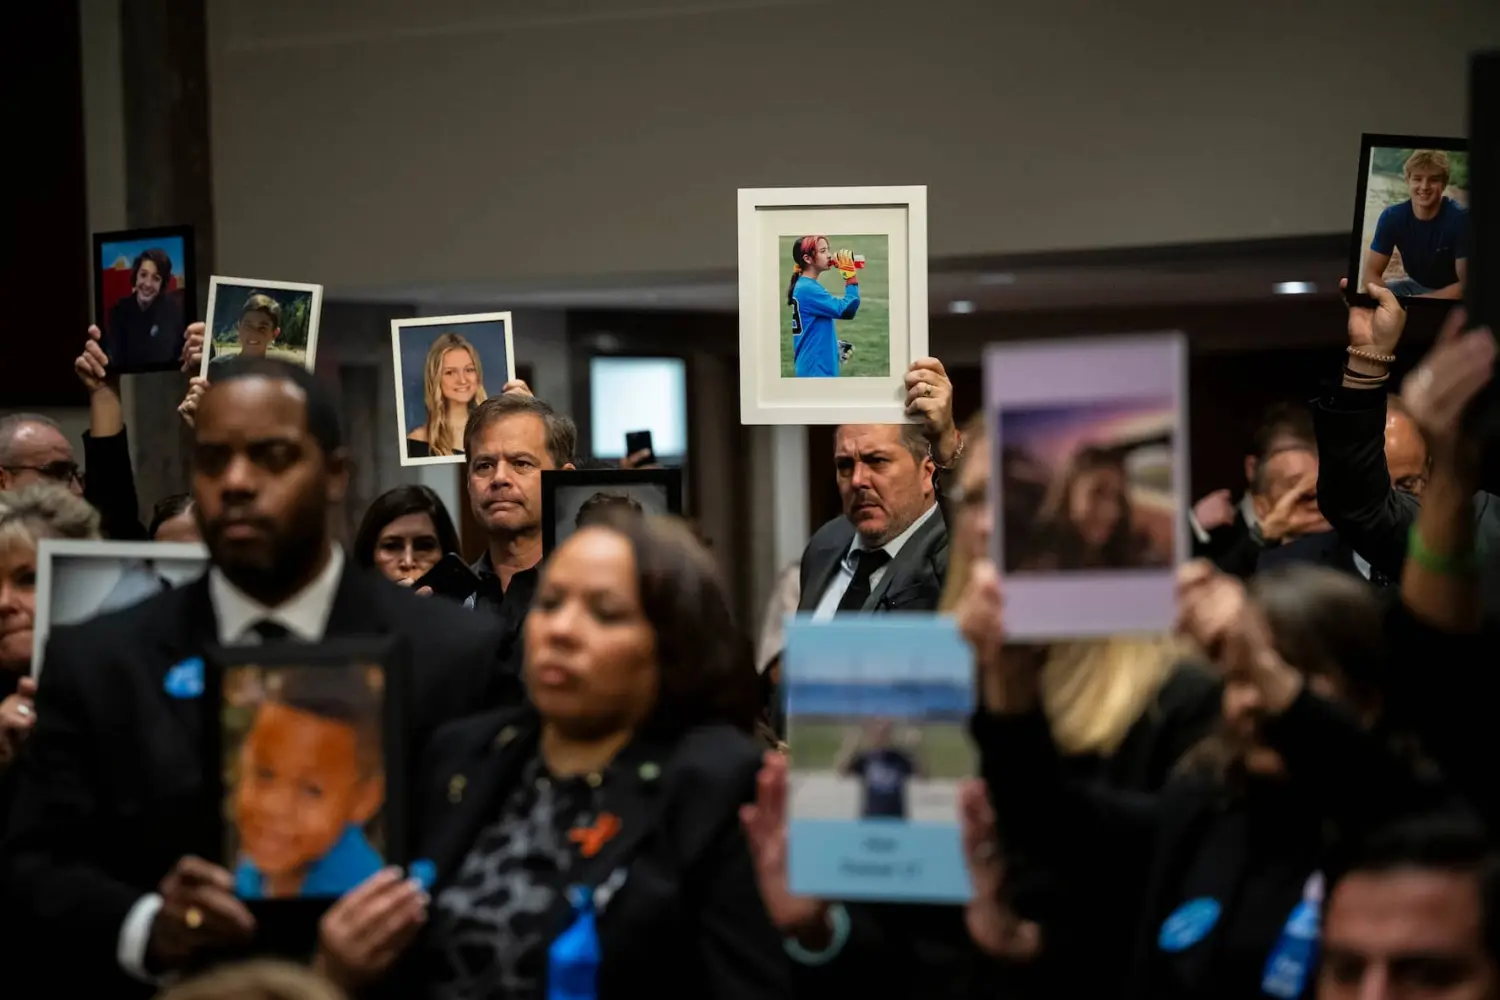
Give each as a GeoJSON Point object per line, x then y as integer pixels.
{"type": "Point", "coordinates": [145, 295]}
{"type": "Point", "coordinates": [877, 721]}
{"type": "Point", "coordinates": [79, 580]}
{"type": "Point", "coordinates": [256, 318]}
{"type": "Point", "coordinates": [833, 302]}
{"type": "Point", "coordinates": [1089, 444]}
{"type": "Point", "coordinates": [1412, 232]}
{"type": "Point", "coordinates": [445, 366]}
{"type": "Point", "coordinates": [571, 496]}
{"type": "Point", "coordinates": [305, 766]}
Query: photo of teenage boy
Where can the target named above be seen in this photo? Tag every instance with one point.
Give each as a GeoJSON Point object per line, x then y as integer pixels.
{"type": "Point", "coordinates": [145, 328]}
{"type": "Point", "coordinates": [309, 779]}
{"type": "Point", "coordinates": [884, 769]}
{"type": "Point", "coordinates": [1430, 230]}
{"type": "Point", "coordinates": [258, 327]}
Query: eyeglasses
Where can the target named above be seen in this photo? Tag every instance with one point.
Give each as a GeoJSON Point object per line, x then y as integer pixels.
{"type": "Point", "coordinates": [58, 472]}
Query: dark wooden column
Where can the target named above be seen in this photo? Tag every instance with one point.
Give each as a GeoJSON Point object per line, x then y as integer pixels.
{"type": "Point", "coordinates": [168, 181]}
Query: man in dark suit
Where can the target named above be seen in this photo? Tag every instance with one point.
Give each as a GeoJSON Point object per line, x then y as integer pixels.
{"type": "Point", "coordinates": [888, 551]}
{"type": "Point", "coordinates": [109, 810]}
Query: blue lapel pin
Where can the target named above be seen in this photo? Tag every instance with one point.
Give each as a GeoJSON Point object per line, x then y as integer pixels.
{"type": "Point", "coordinates": [185, 680]}
{"type": "Point", "coordinates": [423, 872]}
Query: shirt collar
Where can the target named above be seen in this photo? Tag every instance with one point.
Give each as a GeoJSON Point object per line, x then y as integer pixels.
{"type": "Point", "coordinates": [304, 614]}
{"type": "Point", "coordinates": [1247, 511]}
{"type": "Point", "coordinates": [892, 547]}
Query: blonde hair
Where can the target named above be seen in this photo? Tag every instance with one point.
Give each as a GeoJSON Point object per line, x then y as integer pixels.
{"type": "Point", "coordinates": [257, 980]}
{"type": "Point", "coordinates": [44, 510]}
{"type": "Point", "coordinates": [432, 390]}
{"type": "Point", "coordinates": [1432, 159]}
{"type": "Point", "coordinates": [1095, 691]}
{"type": "Point", "coordinates": [1092, 691]}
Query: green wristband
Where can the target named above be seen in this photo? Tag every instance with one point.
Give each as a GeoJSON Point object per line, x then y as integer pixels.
{"type": "Point", "coordinates": [1462, 564]}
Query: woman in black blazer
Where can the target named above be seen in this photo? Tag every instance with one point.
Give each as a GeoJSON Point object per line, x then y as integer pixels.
{"type": "Point", "coordinates": [589, 846]}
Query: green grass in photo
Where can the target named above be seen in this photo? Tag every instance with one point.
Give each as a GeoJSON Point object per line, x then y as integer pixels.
{"type": "Point", "coordinates": [943, 748]}
{"type": "Point", "coordinates": [870, 330]}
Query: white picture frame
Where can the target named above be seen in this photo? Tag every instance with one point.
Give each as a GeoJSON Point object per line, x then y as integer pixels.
{"type": "Point", "coordinates": [767, 216]}
{"type": "Point", "coordinates": [233, 291]}
{"type": "Point", "coordinates": [402, 369]}
{"type": "Point", "coordinates": [188, 561]}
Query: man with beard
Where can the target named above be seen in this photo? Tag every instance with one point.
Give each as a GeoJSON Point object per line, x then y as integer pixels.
{"type": "Point", "coordinates": [145, 329]}
{"type": "Point", "coordinates": [110, 824]}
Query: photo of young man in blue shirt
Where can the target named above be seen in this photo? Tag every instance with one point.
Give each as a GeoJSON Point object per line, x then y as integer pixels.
{"type": "Point", "coordinates": [1429, 229]}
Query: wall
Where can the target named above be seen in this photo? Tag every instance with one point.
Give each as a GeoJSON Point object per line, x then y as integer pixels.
{"type": "Point", "coordinates": [519, 140]}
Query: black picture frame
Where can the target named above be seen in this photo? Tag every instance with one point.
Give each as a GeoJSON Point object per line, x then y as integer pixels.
{"type": "Point", "coordinates": [1369, 142]}
{"type": "Point", "coordinates": [291, 918]}
{"type": "Point", "coordinates": [555, 483]}
{"type": "Point", "coordinates": [187, 267]}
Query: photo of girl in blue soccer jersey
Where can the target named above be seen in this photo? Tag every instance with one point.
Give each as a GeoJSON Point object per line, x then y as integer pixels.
{"type": "Point", "coordinates": [826, 334]}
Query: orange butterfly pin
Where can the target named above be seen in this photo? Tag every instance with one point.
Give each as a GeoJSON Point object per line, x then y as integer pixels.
{"type": "Point", "coordinates": [590, 839]}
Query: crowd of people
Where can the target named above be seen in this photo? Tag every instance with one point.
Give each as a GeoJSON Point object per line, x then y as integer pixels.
{"type": "Point", "coordinates": [1287, 797]}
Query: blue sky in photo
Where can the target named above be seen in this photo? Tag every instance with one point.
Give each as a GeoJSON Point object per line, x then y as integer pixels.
{"type": "Point", "coordinates": [877, 648]}
{"type": "Point", "coordinates": [111, 252]}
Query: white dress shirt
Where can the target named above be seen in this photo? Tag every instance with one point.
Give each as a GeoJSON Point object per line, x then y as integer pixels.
{"type": "Point", "coordinates": [829, 602]}
{"type": "Point", "coordinates": [305, 616]}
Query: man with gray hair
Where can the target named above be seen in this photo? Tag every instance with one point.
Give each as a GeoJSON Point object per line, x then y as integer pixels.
{"type": "Point", "coordinates": [889, 549]}
{"type": "Point", "coordinates": [509, 440]}
{"type": "Point", "coordinates": [33, 449]}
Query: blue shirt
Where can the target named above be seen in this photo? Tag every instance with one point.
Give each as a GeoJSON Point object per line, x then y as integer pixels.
{"type": "Point", "coordinates": [348, 862]}
{"type": "Point", "coordinates": [1430, 249]}
{"type": "Point", "coordinates": [814, 344]}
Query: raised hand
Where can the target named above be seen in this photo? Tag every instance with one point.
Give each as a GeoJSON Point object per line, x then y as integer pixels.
{"type": "Point", "coordinates": [92, 366]}
{"type": "Point", "coordinates": [1216, 510]}
{"type": "Point", "coordinates": [1440, 389]}
{"type": "Point", "coordinates": [991, 924]}
{"type": "Point", "coordinates": [192, 349]}
{"type": "Point", "coordinates": [188, 408]}
{"type": "Point", "coordinates": [199, 913]}
{"type": "Point", "coordinates": [367, 930]}
{"type": "Point", "coordinates": [765, 823]}
{"type": "Point", "coordinates": [1376, 330]}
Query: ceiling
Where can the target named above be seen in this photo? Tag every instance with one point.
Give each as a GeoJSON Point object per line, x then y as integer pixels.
{"type": "Point", "coordinates": [1177, 275]}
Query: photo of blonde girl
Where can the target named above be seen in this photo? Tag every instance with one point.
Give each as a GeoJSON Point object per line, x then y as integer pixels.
{"type": "Point", "coordinates": [452, 385]}
{"type": "Point", "coordinates": [440, 368]}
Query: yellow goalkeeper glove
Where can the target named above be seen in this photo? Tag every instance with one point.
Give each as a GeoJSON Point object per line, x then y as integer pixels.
{"type": "Point", "coordinates": [845, 261]}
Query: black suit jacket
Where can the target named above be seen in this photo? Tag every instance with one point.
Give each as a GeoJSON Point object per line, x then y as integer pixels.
{"type": "Point", "coordinates": [108, 791]}
{"type": "Point", "coordinates": [912, 582]}
{"type": "Point", "coordinates": [688, 921]}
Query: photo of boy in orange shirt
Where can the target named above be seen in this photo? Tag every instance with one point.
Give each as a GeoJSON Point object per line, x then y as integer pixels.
{"type": "Point", "coordinates": [306, 780]}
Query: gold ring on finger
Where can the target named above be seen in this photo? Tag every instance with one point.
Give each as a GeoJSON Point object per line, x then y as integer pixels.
{"type": "Point", "coordinates": [193, 918]}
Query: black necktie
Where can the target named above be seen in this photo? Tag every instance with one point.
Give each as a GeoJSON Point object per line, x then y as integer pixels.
{"type": "Point", "coordinates": [270, 631]}
{"type": "Point", "coordinates": [866, 562]}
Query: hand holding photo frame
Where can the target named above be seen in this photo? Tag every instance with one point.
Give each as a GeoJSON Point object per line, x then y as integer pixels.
{"type": "Point", "coordinates": [445, 366]}
{"type": "Point", "coordinates": [833, 302]}
{"type": "Point", "coordinates": [1089, 456]}
{"type": "Point", "coordinates": [305, 767]}
{"type": "Point", "coordinates": [1412, 232]}
{"type": "Point", "coordinates": [145, 293]}
{"type": "Point", "coordinates": [255, 318]}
